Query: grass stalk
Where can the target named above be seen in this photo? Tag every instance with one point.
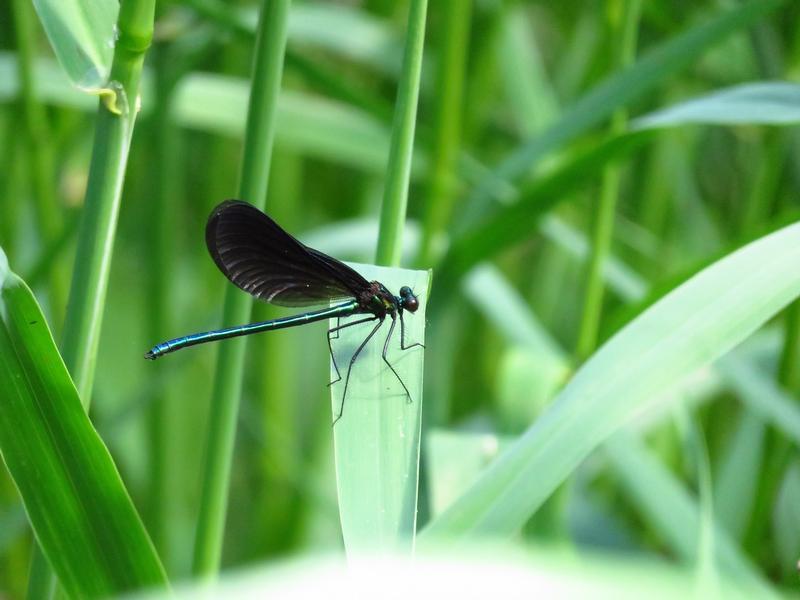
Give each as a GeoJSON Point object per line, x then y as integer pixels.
{"type": "Point", "coordinates": [267, 72]}
{"type": "Point", "coordinates": [447, 135]}
{"type": "Point", "coordinates": [104, 189]}
{"type": "Point", "coordinates": [278, 505]}
{"type": "Point", "coordinates": [624, 25]}
{"type": "Point", "coordinates": [161, 293]}
{"type": "Point", "coordinates": [395, 197]}
{"type": "Point", "coordinates": [112, 138]}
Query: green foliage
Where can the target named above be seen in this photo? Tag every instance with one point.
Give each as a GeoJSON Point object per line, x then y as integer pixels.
{"type": "Point", "coordinates": [600, 200]}
{"type": "Point", "coordinates": [82, 36]}
{"type": "Point", "coordinates": [377, 438]}
{"type": "Point", "coordinates": [73, 495]}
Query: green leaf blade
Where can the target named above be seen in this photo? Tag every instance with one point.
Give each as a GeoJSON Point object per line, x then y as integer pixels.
{"type": "Point", "coordinates": [757, 103]}
{"type": "Point", "coordinates": [377, 440]}
{"type": "Point", "coordinates": [687, 329]}
{"type": "Point", "coordinates": [75, 500]}
{"type": "Point", "coordinates": [82, 37]}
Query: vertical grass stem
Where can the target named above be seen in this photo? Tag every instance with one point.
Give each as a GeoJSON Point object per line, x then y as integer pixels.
{"type": "Point", "coordinates": [267, 73]}
{"type": "Point", "coordinates": [395, 196]}
{"type": "Point", "coordinates": [625, 20]}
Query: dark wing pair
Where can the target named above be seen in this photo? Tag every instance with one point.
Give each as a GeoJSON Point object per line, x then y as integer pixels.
{"type": "Point", "coordinates": [263, 260]}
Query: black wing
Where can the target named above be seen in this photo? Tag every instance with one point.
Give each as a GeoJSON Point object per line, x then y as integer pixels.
{"type": "Point", "coordinates": [259, 257]}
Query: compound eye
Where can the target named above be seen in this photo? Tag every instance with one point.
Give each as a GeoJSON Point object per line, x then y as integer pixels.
{"type": "Point", "coordinates": [405, 292]}
{"type": "Point", "coordinates": [410, 303]}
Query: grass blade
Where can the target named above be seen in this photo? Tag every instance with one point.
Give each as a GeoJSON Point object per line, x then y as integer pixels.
{"type": "Point", "coordinates": [261, 118]}
{"type": "Point", "coordinates": [688, 328]}
{"type": "Point", "coordinates": [377, 440]}
{"type": "Point", "coordinates": [82, 36]}
{"type": "Point", "coordinates": [401, 150]}
{"type": "Point", "coordinates": [760, 103]}
{"type": "Point", "coordinates": [76, 502]}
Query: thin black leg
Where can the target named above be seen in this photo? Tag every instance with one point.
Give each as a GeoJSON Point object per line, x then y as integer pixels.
{"type": "Point", "coordinates": [386, 360]}
{"type": "Point", "coordinates": [350, 366]}
{"type": "Point", "coordinates": [330, 348]}
{"type": "Point", "coordinates": [403, 336]}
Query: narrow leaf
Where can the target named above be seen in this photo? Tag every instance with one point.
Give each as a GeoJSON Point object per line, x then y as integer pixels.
{"type": "Point", "coordinates": [377, 438]}
{"type": "Point", "coordinates": [82, 36]}
{"type": "Point", "coordinates": [76, 502]}
{"type": "Point", "coordinates": [687, 329]}
{"type": "Point", "coordinates": [761, 103]}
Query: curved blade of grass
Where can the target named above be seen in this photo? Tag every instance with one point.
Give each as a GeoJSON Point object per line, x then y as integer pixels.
{"type": "Point", "coordinates": [82, 36]}
{"type": "Point", "coordinates": [688, 328]}
{"type": "Point", "coordinates": [760, 103]}
{"type": "Point", "coordinates": [377, 440]}
{"type": "Point", "coordinates": [76, 502]}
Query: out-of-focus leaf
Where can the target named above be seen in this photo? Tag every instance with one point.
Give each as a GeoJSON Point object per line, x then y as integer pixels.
{"type": "Point", "coordinates": [514, 222]}
{"type": "Point", "coordinates": [760, 103]}
{"type": "Point", "coordinates": [82, 35]}
{"type": "Point", "coordinates": [527, 382]}
{"type": "Point", "coordinates": [786, 519]}
{"type": "Point", "coordinates": [762, 395]}
{"type": "Point", "coordinates": [455, 460]}
{"type": "Point", "coordinates": [340, 29]}
{"type": "Point", "coordinates": [535, 367]}
{"type": "Point", "coordinates": [217, 103]}
{"type": "Point", "coordinates": [531, 98]}
{"type": "Point", "coordinates": [315, 126]}
{"type": "Point", "coordinates": [346, 30]}
{"type": "Point", "coordinates": [685, 330]}
{"type": "Point", "coordinates": [624, 87]}
{"type": "Point", "coordinates": [669, 508]}
{"type": "Point", "coordinates": [76, 502]}
{"type": "Point", "coordinates": [737, 475]}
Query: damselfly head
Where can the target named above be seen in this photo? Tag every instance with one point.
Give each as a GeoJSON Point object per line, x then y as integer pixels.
{"type": "Point", "coordinates": [408, 299]}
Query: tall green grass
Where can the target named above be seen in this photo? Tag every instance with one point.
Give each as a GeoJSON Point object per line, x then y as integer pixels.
{"type": "Point", "coordinates": [606, 198]}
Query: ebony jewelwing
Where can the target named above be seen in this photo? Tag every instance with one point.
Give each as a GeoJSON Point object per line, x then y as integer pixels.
{"type": "Point", "coordinates": [262, 259]}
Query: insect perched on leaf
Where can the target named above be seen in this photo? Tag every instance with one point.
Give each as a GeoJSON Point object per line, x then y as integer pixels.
{"type": "Point", "coordinates": [259, 257]}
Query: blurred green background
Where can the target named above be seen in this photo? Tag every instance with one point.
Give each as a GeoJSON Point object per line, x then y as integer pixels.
{"type": "Point", "coordinates": [498, 77]}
